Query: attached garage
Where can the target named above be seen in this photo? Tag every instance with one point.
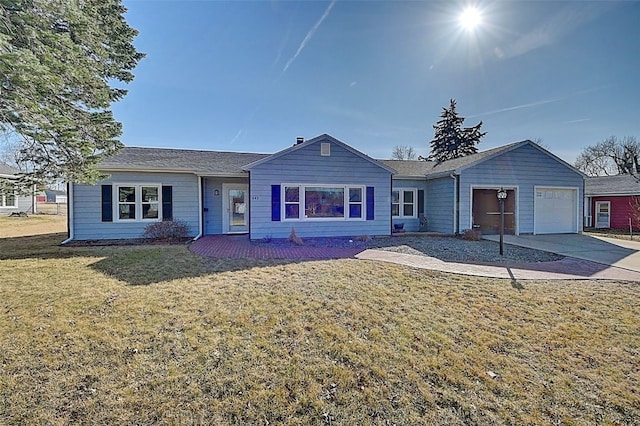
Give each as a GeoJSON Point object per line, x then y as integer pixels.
{"type": "Point", "coordinates": [555, 210]}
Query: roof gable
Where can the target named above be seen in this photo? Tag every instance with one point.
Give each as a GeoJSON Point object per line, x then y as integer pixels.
{"type": "Point", "coordinates": [457, 165]}
{"type": "Point", "coordinates": [319, 139]}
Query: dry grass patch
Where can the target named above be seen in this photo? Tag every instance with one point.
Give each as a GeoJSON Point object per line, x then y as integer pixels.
{"type": "Point", "coordinates": [32, 225]}
{"type": "Point", "coordinates": [622, 234]}
{"type": "Point", "coordinates": [334, 342]}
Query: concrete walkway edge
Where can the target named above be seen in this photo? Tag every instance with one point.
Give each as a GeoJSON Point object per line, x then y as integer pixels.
{"type": "Point", "coordinates": [571, 268]}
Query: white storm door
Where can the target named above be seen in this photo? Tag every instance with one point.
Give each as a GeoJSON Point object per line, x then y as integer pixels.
{"type": "Point", "coordinates": [603, 214]}
{"type": "Point", "coordinates": [235, 208]}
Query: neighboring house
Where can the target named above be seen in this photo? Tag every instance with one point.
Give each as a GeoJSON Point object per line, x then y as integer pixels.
{"type": "Point", "coordinates": [609, 201]}
{"type": "Point", "coordinates": [12, 201]}
{"type": "Point", "coordinates": [323, 187]}
{"type": "Point", "coordinates": [55, 196]}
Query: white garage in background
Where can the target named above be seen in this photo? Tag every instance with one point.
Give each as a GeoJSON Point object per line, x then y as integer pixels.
{"type": "Point", "coordinates": [555, 210]}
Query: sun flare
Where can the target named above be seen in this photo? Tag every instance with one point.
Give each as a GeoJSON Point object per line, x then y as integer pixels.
{"type": "Point", "coordinates": [470, 18]}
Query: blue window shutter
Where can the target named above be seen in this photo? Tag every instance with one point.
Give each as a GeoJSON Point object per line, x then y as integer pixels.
{"type": "Point", "coordinates": [370, 203]}
{"type": "Point", "coordinates": [167, 203]}
{"type": "Point", "coordinates": [420, 201]}
{"type": "Point", "coordinates": [107, 203]}
{"type": "Point", "coordinates": [275, 203]}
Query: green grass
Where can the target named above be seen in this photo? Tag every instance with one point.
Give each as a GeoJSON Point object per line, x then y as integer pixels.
{"type": "Point", "coordinates": [158, 335]}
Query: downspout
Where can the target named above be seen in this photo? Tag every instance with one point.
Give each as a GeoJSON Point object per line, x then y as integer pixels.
{"type": "Point", "coordinates": [390, 198]}
{"type": "Point", "coordinates": [200, 210]}
{"type": "Point", "coordinates": [456, 204]}
{"type": "Point", "coordinates": [69, 213]}
{"type": "Point", "coordinates": [249, 202]}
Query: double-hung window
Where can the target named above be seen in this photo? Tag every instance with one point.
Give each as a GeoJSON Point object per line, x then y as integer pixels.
{"type": "Point", "coordinates": [320, 202]}
{"type": "Point", "coordinates": [8, 199]}
{"type": "Point", "coordinates": [138, 202]}
{"type": "Point", "coordinates": [292, 202]}
{"type": "Point", "coordinates": [404, 202]}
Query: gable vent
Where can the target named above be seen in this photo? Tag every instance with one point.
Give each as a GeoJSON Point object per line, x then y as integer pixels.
{"type": "Point", "coordinates": [325, 149]}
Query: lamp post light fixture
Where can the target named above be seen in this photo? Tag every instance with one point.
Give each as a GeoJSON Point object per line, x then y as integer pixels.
{"type": "Point", "coordinates": [502, 195]}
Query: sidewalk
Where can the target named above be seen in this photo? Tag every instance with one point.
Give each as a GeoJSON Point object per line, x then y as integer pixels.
{"type": "Point", "coordinates": [568, 268]}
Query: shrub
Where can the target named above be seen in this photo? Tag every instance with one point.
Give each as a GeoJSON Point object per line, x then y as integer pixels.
{"type": "Point", "coordinates": [293, 237]}
{"type": "Point", "coordinates": [170, 230]}
{"type": "Point", "coordinates": [471, 235]}
{"type": "Point", "coordinates": [363, 238]}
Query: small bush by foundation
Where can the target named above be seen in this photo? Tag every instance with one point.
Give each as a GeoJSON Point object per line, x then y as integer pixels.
{"type": "Point", "coordinates": [471, 235]}
{"type": "Point", "coordinates": [293, 237]}
{"type": "Point", "coordinates": [170, 230]}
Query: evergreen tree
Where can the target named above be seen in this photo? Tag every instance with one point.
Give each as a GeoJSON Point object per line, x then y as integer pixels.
{"type": "Point", "coordinates": [451, 140]}
{"type": "Point", "coordinates": [58, 59]}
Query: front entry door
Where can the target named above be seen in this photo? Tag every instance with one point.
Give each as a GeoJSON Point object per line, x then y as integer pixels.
{"type": "Point", "coordinates": [603, 216]}
{"type": "Point", "coordinates": [235, 208]}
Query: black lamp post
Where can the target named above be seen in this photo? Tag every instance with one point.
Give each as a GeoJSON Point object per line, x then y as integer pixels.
{"type": "Point", "coordinates": [502, 195]}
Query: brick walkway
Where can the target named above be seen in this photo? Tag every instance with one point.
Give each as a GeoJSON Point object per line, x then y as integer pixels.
{"type": "Point", "coordinates": [240, 247]}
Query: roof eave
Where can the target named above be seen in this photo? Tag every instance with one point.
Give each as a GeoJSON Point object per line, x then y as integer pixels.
{"type": "Point", "coordinates": [408, 177]}
{"type": "Point", "coordinates": [445, 173]}
{"type": "Point", "coordinates": [146, 170]}
{"type": "Point", "coordinates": [611, 194]}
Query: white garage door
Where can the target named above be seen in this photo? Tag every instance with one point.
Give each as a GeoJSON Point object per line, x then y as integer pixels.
{"type": "Point", "coordinates": [555, 211]}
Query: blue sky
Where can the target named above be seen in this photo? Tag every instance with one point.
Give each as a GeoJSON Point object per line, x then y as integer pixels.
{"type": "Point", "coordinates": [252, 76]}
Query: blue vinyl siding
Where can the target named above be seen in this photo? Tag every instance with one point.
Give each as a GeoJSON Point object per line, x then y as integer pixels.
{"type": "Point", "coordinates": [411, 224]}
{"type": "Point", "coordinates": [213, 203]}
{"type": "Point", "coordinates": [87, 205]}
{"type": "Point", "coordinates": [440, 201]}
{"type": "Point", "coordinates": [307, 166]}
{"type": "Point", "coordinates": [523, 168]}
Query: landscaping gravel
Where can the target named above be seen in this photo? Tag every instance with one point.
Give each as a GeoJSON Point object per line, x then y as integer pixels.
{"type": "Point", "coordinates": [456, 249]}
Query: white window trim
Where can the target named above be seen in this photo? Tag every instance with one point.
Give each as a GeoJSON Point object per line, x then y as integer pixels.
{"type": "Point", "coordinates": [301, 200]}
{"type": "Point", "coordinates": [597, 212]}
{"type": "Point", "coordinates": [138, 202]}
{"type": "Point", "coordinates": [3, 201]}
{"type": "Point", "coordinates": [402, 203]}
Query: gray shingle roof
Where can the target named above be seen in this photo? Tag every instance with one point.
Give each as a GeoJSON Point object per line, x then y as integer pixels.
{"type": "Point", "coordinates": [6, 169]}
{"type": "Point", "coordinates": [612, 185]}
{"type": "Point", "coordinates": [159, 159]}
{"type": "Point", "coordinates": [217, 163]}
{"type": "Point", "coordinates": [414, 168]}
{"type": "Point", "coordinates": [450, 166]}
{"type": "Point", "coordinates": [409, 168]}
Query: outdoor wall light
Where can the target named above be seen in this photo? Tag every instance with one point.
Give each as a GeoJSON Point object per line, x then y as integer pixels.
{"type": "Point", "coordinates": [216, 192]}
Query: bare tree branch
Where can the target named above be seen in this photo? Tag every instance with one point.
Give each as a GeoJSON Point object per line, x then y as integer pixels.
{"type": "Point", "coordinates": [611, 157]}
{"type": "Point", "coordinates": [403, 152]}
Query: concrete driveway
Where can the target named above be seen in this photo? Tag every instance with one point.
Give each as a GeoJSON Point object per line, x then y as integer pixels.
{"type": "Point", "coordinates": [608, 251]}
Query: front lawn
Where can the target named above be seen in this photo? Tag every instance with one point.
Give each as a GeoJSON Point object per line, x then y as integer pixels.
{"type": "Point", "coordinates": [155, 334]}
